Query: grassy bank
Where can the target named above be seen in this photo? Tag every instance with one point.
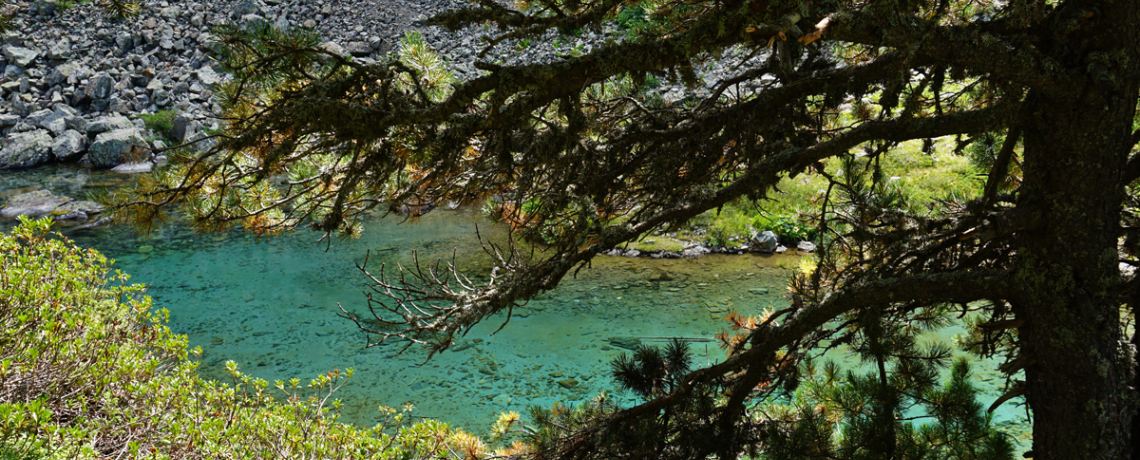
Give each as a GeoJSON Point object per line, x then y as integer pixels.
{"type": "Point", "coordinates": [923, 178]}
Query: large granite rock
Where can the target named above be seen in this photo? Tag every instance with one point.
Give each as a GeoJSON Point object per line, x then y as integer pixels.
{"type": "Point", "coordinates": [359, 48]}
{"type": "Point", "coordinates": [100, 87]}
{"type": "Point", "coordinates": [765, 242]}
{"type": "Point", "coordinates": [109, 123]}
{"type": "Point", "coordinates": [61, 73]}
{"type": "Point", "coordinates": [20, 57]}
{"type": "Point", "coordinates": [71, 144]}
{"type": "Point", "coordinates": [26, 149]}
{"type": "Point", "coordinates": [207, 76]}
{"type": "Point", "coordinates": [113, 148]}
{"type": "Point", "coordinates": [60, 50]}
{"type": "Point", "coordinates": [43, 118]}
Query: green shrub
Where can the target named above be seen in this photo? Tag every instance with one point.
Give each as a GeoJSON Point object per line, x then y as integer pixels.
{"type": "Point", "coordinates": [161, 122]}
{"type": "Point", "coordinates": [88, 370]}
{"type": "Point", "coordinates": [787, 227]}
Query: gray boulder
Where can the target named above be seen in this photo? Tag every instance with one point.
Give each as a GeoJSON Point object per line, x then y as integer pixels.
{"type": "Point", "coordinates": [20, 57]}
{"type": "Point", "coordinates": [765, 242]}
{"type": "Point", "coordinates": [247, 7]}
{"type": "Point", "coordinates": [25, 149]}
{"type": "Point", "coordinates": [57, 126]}
{"type": "Point", "coordinates": [60, 50]}
{"type": "Point", "coordinates": [108, 123]}
{"type": "Point", "coordinates": [183, 128]}
{"type": "Point", "coordinates": [251, 19]}
{"type": "Point", "coordinates": [117, 105]}
{"type": "Point", "coordinates": [43, 8]}
{"type": "Point", "coordinates": [333, 48]}
{"type": "Point", "coordinates": [69, 145]}
{"type": "Point", "coordinates": [805, 247]}
{"type": "Point", "coordinates": [100, 87]}
{"type": "Point", "coordinates": [207, 75]}
{"type": "Point", "coordinates": [43, 118]}
{"type": "Point", "coordinates": [113, 148]}
{"type": "Point", "coordinates": [61, 74]}
{"type": "Point", "coordinates": [76, 122]}
{"type": "Point", "coordinates": [359, 49]}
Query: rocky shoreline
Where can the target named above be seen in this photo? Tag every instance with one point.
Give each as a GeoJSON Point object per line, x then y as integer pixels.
{"type": "Point", "coordinates": [74, 80]}
{"type": "Point", "coordinates": [755, 245]}
{"type": "Point", "coordinates": [76, 84]}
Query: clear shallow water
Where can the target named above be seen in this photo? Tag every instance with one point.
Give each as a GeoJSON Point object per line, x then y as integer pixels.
{"type": "Point", "coordinates": [271, 304]}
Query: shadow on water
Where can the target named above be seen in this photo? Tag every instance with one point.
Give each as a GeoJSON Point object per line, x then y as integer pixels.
{"type": "Point", "coordinates": [271, 304]}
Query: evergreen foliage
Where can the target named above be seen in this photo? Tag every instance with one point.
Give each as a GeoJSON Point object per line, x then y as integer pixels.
{"type": "Point", "coordinates": [578, 155]}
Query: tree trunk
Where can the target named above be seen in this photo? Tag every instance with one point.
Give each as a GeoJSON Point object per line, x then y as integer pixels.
{"type": "Point", "coordinates": [1067, 269]}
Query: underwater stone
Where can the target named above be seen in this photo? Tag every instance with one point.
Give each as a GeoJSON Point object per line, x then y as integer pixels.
{"type": "Point", "coordinates": [32, 204]}
{"type": "Point", "coordinates": [568, 383]}
{"type": "Point", "coordinates": [629, 343]}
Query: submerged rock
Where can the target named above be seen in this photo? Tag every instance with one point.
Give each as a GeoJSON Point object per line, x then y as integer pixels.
{"type": "Point", "coordinates": [568, 383]}
{"type": "Point", "coordinates": [629, 343]}
{"type": "Point", "coordinates": [34, 203]}
{"type": "Point", "coordinates": [660, 275]}
{"type": "Point", "coordinates": [41, 202]}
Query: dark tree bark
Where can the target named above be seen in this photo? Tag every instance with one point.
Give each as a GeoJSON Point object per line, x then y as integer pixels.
{"type": "Point", "coordinates": [1076, 148]}
{"type": "Point", "coordinates": [1067, 274]}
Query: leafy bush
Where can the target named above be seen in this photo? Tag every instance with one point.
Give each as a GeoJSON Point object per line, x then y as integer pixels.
{"type": "Point", "coordinates": [88, 370]}
{"type": "Point", "coordinates": [788, 227]}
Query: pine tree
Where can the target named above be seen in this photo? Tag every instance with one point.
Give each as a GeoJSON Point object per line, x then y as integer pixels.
{"type": "Point", "coordinates": [579, 154]}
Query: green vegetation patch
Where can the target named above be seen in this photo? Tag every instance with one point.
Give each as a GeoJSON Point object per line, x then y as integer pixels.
{"type": "Point", "coordinates": [161, 122]}
{"type": "Point", "coordinates": [88, 370]}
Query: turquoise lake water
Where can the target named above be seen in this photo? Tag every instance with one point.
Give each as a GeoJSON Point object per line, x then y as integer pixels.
{"type": "Point", "coordinates": [271, 305]}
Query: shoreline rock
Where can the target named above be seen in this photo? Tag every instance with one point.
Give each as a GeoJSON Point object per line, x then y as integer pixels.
{"type": "Point", "coordinates": [698, 250]}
